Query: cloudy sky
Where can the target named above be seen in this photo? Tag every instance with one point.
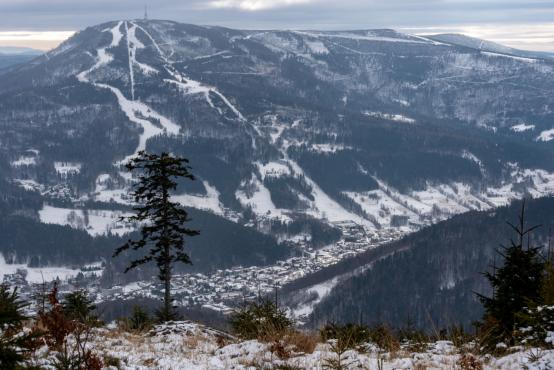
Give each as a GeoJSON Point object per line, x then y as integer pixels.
{"type": "Point", "coordinates": [525, 24]}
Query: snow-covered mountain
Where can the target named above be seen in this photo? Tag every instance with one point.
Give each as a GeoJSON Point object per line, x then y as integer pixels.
{"type": "Point", "coordinates": [387, 130]}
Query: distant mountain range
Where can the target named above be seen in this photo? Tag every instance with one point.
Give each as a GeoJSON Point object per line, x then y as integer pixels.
{"type": "Point", "coordinates": [287, 131]}
{"type": "Point", "coordinates": [11, 55]}
{"type": "Point", "coordinates": [16, 50]}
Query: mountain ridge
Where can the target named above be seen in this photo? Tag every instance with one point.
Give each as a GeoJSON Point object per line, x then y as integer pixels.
{"type": "Point", "coordinates": [334, 126]}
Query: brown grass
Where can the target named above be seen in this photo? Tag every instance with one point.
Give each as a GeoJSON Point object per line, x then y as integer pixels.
{"type": "Point", "coordinates": [469, 362]}
{"type": "Point", "coordinates": [302, 342]}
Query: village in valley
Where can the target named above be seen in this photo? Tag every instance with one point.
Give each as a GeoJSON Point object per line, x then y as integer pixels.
{"type": "Point", "coordinates": [221, 290]}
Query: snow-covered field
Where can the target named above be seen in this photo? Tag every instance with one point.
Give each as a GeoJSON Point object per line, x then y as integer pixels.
{"type": "Point", "coordinates": [95, 222]}
{"type": "Point", "coordinates": [37, 275]}
{"type": "Point", "coordinates": [190, 346]}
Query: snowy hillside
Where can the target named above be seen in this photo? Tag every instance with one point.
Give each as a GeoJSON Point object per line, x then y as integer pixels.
{"type": "Point", "coordinates": [124, 86]}
{"type": "Point", "coordinates": [187, 346]}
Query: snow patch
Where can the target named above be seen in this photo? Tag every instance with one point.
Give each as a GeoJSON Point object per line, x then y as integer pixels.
{"type": "Point", "coordinates": [209, 202]}
{"type": "Point", "coordinates": [95, 222]}
{"type": "Point", "coordinates": [273, 169]}
{"type": "Point", "coordinates": [520, 59]}
{"type": "Point", "coordinates": [522, 127]}
{"type": "Point", "coordinates": [390, 117]}
{"type": "Point", "coordinates": [24, 161]}
{"type": "Point", "coordinates": [255, 195]}
{"type": "Point", "coordinates": [546, 135]}
{"type": "Point", "coordinates": [65, 169]}
{"type": "Point", "coordinates": [36, 275]}
{"type": "Point", "coordinates": [317, 47]}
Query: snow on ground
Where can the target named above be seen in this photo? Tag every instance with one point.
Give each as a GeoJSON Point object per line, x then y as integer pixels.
{"type": "Point", "coordinates": [546, 135]}
{"type": "Point", "coordinates": [328, 148]}
{"type": "Point", "coordinates": [522, 127]}
{"type": "Point", "coordinates": [65, 169]}
{"type": "Point", "coordinates": [324, 206]}
{"type": "Point", "coordinates": [95, 222]}
{"type": "Point", "coordinates": [520, 59]}
{"type": "Point", "coordinates": [191, 87]}
{"type": "Point", "coordinates": [37, 275]}
{"type": "Point", "coordinates": [134, 44]}
{"type": "Point", "coordinates": [24, 161]}
{"type": "Point", "coordinates": [30, 185]}
{"type": "Point", "coordinates": [317, 47]}
{"type": "Point", "coordinates": [116, 34]}
{"type": "Point", "coordinates": [439, 201]}
{"type": "Point", "coordinates": [255, 195]}
{"type": "Point", "coordinates": [390, 117]}
{"type": "Point", "coordinates": [106, 191]}
{"type": "Point", "coordinates": [321, 290]}
{"type": "Point", "coordinates": [273, 169]}
{"type": "Point", "coordinates": [368, 36]}
{"type": "Point", "coordinates": [209, 202]}
{"type": "Point", "coordinates": [135, 111]}
{"type": "Point", "coordinates": [382, 207]}
{"type": "Point", "coordinates": [472, 157]}
{"type": "Point", "coordinates": [190, 346]}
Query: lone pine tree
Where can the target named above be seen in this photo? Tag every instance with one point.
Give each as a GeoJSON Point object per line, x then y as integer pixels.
{"type": "Point", "coordinates": [162, 221]}
{"type": "Point", "coordinates": [516, 285]}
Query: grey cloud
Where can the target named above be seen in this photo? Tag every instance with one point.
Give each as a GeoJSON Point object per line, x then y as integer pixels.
{"type": "Point", "coordinates": [299, 14]}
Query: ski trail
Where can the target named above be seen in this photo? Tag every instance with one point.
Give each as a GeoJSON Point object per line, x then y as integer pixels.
{"type": "Point", "coordinates": [324, 205]}
{"type": "Point", "coordinates": [103, 57]}
{"type": "Point", "coordinates": [131, 55]}
{"type": "Point", "coordinates": [135, 111]}
{"type": "Point", "coordinates": [189, 85]}
{"type": "Point", "coordinates": [116, 34]}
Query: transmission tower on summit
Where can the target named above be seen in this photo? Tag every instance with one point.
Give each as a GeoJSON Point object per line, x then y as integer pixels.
{"type": "Point", "coordinates": [145, 12]}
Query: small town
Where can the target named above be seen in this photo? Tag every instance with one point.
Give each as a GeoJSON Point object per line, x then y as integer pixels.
{"type": "Point", "coordinates": [223, 289]}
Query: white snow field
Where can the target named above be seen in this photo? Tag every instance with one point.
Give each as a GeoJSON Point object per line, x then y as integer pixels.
{"type": "Point", "coordinates": [37, 275]}
{"type": "Point", "coordinates": [95, 222]}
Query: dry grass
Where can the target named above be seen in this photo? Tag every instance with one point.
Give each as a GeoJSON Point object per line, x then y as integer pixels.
{"type": "Point", "coordinates": [191, 341]}
{"type": "Point", "coordinates": [469, 362]}
{"type": "Point", "coordinates": [302, 342]}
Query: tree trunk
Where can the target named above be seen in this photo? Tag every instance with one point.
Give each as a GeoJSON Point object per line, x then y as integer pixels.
{"type": "Point", "coordinates": [167, 283]}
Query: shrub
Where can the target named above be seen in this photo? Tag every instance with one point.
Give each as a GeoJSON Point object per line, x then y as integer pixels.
{"type": "Point", "coordinates": [384, 338]}
{"type": "Point", "coordinates": [139, 321]}
{"type": "Point", "coordinates": [538, 327]}
{"type": "Point", "coordinates": [78, 306]}
{"type": "Point", "coordinates": [16, 343]}
{"type": "Point", "coordinates": [413, 338]}
{"type": "Point", "coordinates": [262, 319]}
{"type": "Point", "coordinates": [350, 335]}
{"type": "Point", "coordinates": [66, 337]}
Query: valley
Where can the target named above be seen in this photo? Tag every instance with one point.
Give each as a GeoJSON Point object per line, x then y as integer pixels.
{"type": "Point", "coordinates": [316, 147]}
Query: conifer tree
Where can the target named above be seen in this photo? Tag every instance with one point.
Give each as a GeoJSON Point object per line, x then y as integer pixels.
{"type": "Point", "coordinates": [516, 285]}
{"type": "Point", "coordinates": [14, 342]}
{"type": "Point", "coordinates": [162, 221]}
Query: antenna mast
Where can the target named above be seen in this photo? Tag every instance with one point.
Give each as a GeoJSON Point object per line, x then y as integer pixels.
{"type": "Point", "coordinates": [145, 12]}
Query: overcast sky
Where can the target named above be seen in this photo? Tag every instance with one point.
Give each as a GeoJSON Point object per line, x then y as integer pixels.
{"type": "Point", "coordinates": [525, 24]}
